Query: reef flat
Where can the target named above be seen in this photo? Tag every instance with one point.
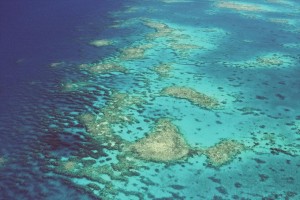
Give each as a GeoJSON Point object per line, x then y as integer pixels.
{"type": "Point", "coordinates": [191, 95]}
{"type": "Point", "coordinates": [163, 144]}
{"type": "Point", "coordinates": [223, 152]}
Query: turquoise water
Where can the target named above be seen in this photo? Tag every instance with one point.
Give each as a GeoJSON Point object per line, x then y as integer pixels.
{"type": "Point", "coordinates": [158, 99]}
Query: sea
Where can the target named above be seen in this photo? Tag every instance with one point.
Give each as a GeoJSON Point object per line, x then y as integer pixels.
{"type": "Point", "coordinates": [149, 99]}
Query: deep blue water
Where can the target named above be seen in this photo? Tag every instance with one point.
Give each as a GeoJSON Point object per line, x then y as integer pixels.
{"type": "Point", "coordinates": [34, 34]}
{"type": "Point", "coordinates": [37, 33]}
{"type": "Point", "coordinates": [248, 62]}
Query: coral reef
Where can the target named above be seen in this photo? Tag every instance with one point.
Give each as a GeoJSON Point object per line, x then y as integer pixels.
{"type": "Point", "coordinates": [279, 21]}
{"type": "Point", "coordinates": [180, 47]}
{"type": "Point", "coordinates": [100, 43]}
{"type": "Point", "coordinates": [163, 144]}
{"type": "Point", "coordinates": [223, 152]}
{"type": "Point", "coordinates": [195, 97]}
{"type": "Point", "coordinates": [283, 2]}
{"type": "Point", "coordinates": [92, 167]}
{"type": "Point", "coordinates": [100, 68]}
{"type": "Point", "coordinates": [94, 126]}
{"type": "Point", "coordinates": [275, 143]}
{"type": "Point", "coordinates": [100, 125]}
{"type": "Point", "coordinates": [163, 70]}
{"type": "Point", "coordinates": [176, 1]}
{"type": "Point", "coordinates": [183, 49]}
{"type": "Point", "coordinates": [136, 52]}
{"type": "Point", "coordinates": [161, 29]}
{"type": "Point", "coordinates": [73, 86]}
{"type": "Point", "coordinates": [239, 6]}
{"type": "Point", "coordinates": [269, 60]}
{"type": "Point", "coordinates": [2, 161]}
{"type": "Point", "coordinates": [94, 177]}
{"type": "Point", "coordinates": [58, 64]}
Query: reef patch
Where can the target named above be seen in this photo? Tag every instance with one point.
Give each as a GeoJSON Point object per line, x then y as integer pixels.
{"type": "Point", "coordinates": [100, 43]}
{"type": "Point", "coordinates": [240, 6]}
{"type": "Point", "coordinates": [102, 68]}
{"type": "Point", "coordinates": [163, 144]}
{"type": "Point", "coordinates": [223, 152]}
{"type": "Point", "coordinates": [195, 97]}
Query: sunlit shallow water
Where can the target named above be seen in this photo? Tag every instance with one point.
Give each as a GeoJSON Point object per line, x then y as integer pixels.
{"type": "Point", "coordinates": [167, 99]}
